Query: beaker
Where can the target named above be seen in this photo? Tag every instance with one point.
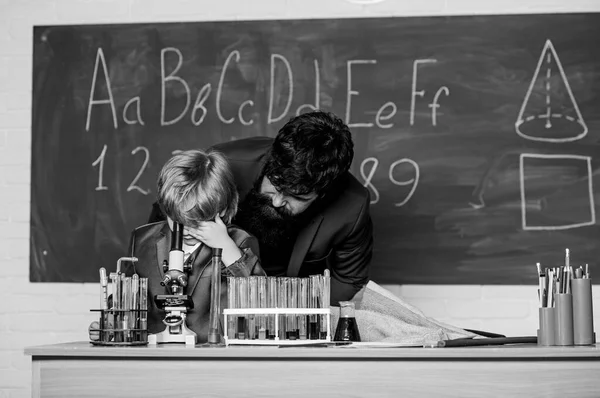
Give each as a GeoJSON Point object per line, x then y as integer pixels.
{"type": "Point", "coordinates": [347, 328]}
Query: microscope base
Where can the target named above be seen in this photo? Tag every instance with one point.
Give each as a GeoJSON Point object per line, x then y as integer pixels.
{"type": "Point", "coordinates": [183, 335]}
{"type": "Point", "coordinates": [164, 338]}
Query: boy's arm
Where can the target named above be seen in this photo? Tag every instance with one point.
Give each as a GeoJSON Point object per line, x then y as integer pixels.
{"type": "Point", "coordinates": [249, 263]}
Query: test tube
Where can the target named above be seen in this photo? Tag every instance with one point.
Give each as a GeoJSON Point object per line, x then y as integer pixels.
{"type": "Point", "coordinates": [314, 329]}
{"type": "Point", "coordinates": [271, 303]}
{"type": "Point", "coordinates": [262, 303]}
{"type": "Point", "coordinates": [253, 298]}
{"type": "Point", "coordinates": [326, 289]}
{"type": "Point", "coordinates": [117, 307]}
{"type": "Point", "coordinates": [114, 280]}
{"type": "Point", "coordinates": [126, 303]}
{"type": "Point", "coordinates": [103, 303]}
{"type": "Point", "coordinates": [322, 299]}
{"type": "Point", "coordinates": [282, 303]}
{"type": "Point", "coordinates": [243, 303]}
{"type": "Point", "coordinates": [103, 289]}
{"type": "Point", "coordinates": [293, 303]}
{"type": "Point", "coordinates": [144, 308]}
{"type": "Point", "coordinates": [303, 303]}
{"type": "Point", "coordinates": [135, 294]}
{"type": "Point", "coordinates": [215, 330]}
{"type": "Point", "coordinates": [231, 303]}
{"type": "Point", "coordinates": [326, 301]}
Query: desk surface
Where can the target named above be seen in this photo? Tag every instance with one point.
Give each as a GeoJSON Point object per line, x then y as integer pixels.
{"type": "Point", "coordinates": [81, 370]}
{"type": "Point", "coordinates": [521, 351]}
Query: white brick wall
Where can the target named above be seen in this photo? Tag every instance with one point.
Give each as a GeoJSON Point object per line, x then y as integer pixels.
{"type": "Point", "coordinates": [33, 314]}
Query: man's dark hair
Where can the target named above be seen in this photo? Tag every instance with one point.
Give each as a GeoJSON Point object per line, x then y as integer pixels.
{"type": "Point", "coordinates": [309, 154]}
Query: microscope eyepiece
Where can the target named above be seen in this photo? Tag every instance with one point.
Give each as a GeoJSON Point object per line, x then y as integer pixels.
{"type": "Point", "coordinates": [177, 237]}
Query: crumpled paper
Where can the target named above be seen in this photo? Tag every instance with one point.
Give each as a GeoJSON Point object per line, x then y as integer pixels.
{"type": "Point", "coordinates": [383, 317]}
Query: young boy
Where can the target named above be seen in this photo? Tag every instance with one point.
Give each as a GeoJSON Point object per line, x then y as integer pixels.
{"type": "Point", "coordinates": [196, 189]}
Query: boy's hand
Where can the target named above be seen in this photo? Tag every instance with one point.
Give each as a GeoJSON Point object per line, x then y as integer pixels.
{"type": "Point", "coordinates": [212, 233]}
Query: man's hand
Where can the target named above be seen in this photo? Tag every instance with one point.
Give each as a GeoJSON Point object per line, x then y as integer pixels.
{"type": "Point", "coordinates": [95, 334]}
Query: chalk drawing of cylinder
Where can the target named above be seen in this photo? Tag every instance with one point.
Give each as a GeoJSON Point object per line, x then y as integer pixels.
{"type": "Point", "coordinates": [549, 112]}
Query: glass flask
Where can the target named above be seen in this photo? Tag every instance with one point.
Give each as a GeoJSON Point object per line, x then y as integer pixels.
{"type": "Point", "coordinates": [347, 328]}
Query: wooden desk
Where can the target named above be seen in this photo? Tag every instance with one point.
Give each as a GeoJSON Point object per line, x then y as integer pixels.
{"type": "Point", "coordinates": [82, 370]}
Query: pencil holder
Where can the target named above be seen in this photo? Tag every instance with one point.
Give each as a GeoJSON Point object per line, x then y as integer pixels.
{"type": "Point", "coordinates": [564, 319]}
{"type": "Point", "coordinates": [583, 319]}
{"type": "Point", "coordinates": [546, 333]}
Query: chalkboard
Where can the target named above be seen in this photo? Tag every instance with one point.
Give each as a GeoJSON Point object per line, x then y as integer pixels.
{"type": "Point", "coordinates": [477, 136]}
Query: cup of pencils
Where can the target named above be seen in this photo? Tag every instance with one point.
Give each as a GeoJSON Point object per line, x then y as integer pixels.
{"type": "Point", "coordinates": [565, 313]}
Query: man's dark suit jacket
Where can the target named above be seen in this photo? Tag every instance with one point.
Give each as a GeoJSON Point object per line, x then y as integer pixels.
{"type": "Point", "coordinates": [151, 243]}
{"type": "Point", "coordinates": [339, 237]}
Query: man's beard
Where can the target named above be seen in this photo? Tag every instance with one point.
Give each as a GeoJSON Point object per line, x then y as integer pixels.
{"type": "Point", "coordinates": [274, 227]}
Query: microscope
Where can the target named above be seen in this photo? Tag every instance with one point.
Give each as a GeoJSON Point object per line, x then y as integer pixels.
{"type": "Point", "coordinates": [175, 303]}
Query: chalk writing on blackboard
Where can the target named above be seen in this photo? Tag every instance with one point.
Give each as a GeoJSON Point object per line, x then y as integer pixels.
{"type": "Point", "coordinates": [375, 163]}
{"type": "Point", "coordinates": [472, 143]}
{"type": "Point", "coordinates": [133, 185]}
{"type": "Point", "coordinates": [434, 105]}
{"type": "Point", "coordinates": [385, 112]}
{"type": "Point", "coordinates": [101, 61]}
{"type": "Point", "coordinates": [580, 185]}
{"type": "Point", "coordinates": [100, 163]}
{"type": "Point", "coordinates": [133, 115]}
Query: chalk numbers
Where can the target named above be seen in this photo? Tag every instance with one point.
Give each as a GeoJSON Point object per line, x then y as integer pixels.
{"type": "Point", "coordinates": [133, 185]}
{"type": "Point", "coordinates": [413, 181]}
{"type": "Point", "coordinates": [374, 162]}
{"type": "Point", "coordinates": [368, 167]}
{"type": "Point", "coordinates": [100, 162]}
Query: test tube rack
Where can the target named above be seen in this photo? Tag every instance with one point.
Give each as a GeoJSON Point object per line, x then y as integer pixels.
{"type": "Point", "coordinates": [123, 319]}
{"type": "Point", "coordinates": [235, 312]}
{"type": "Point", "coordinates": [115, 328]}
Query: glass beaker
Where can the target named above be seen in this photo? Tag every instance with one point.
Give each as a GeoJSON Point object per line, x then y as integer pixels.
{"type": "Point", "coordinates": [347, 328]}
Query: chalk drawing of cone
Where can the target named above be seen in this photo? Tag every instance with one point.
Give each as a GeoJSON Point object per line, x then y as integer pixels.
{"type": "Point", "coordinates": [549, 112]}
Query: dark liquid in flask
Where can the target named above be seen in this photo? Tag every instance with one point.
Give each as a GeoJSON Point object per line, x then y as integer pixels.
{"type": "Point", "coordinates": [347, 330]}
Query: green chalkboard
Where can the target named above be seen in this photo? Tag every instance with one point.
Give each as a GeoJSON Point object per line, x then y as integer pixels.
{"type": "Point", "coordinates": [477, 136]}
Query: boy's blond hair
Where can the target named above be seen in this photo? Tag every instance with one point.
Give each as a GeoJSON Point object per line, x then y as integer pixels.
{"type": "Point", "coordinates": [197, 185]}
